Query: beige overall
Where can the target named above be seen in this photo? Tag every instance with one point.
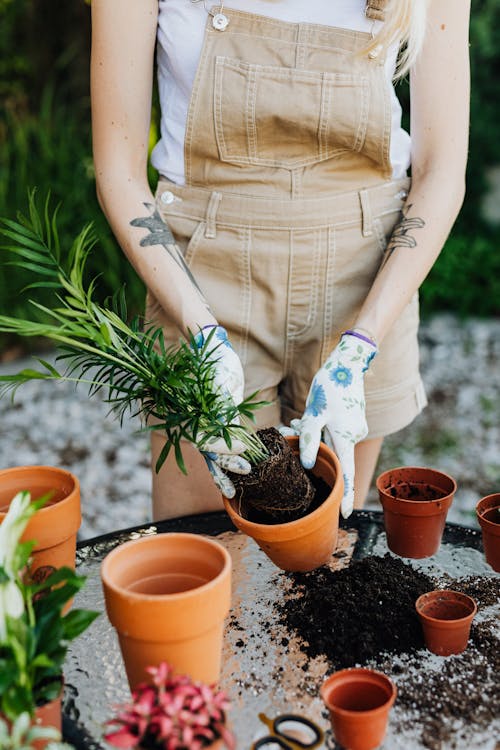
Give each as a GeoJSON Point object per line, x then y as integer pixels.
{"type": "Point", "coordinates": [287, 207]}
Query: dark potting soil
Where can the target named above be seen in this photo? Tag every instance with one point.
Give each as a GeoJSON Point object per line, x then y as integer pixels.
{"type": "Point", "coordinates": [354, 614]}
{"type": "Point", "coordinates": [278, 486]}
{"type": "Point", "coordinates": [365, 614]}
{"type": "Point", "coordinates": [321, 492]}
{"type": "Point", "coordinates": [415, 491]}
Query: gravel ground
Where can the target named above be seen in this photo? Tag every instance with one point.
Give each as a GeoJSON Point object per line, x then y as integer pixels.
{"type": "Point", "coordinates": [458, 432]}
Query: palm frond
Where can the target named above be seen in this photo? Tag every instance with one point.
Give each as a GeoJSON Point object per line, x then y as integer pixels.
{"type": "Point", "coordinates": [132, 365]}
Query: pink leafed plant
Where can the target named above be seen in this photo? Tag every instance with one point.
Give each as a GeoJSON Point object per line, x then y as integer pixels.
{"type": "Point", "coordinates": [172, 713]}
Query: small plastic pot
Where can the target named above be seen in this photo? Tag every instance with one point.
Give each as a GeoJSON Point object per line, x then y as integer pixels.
{"type": "Point", "coordinates": [446, 618]}
{"type": "Point", "coordinates": [167, 596]}
{"type": "Point", "coordinates": [488, 516]}
{"type": "Point", "coordinates": [359, 701]}
{"type": "Point", "coordinates": [415, 501]}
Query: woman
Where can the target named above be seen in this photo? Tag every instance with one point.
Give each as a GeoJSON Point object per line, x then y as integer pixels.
{"type": "Point", "coordinates": [283, 213]}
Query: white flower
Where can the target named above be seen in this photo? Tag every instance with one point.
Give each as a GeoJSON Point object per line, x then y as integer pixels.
{"type": "Point", "coordinates": [12, 528]}
{"type": "Point", "coordinates": [11, 604]}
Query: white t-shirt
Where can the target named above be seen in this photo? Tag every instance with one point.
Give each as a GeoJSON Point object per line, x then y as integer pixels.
{"type": "Point", "coordinates": [181, 28]}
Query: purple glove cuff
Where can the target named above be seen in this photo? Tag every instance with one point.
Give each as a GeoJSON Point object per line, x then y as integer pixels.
{"type": "Point", "coordinates": [358, 335]}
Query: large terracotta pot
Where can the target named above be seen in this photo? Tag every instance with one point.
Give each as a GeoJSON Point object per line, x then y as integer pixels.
{"type": "Point", "coordinates": [167, 596]}
{"type": "Point", "coordinates": [446, 618]}
{"type": "Point", "coordinates": [359, 701]}
{"type": "Point", "coordinates": [53, 527]}
{"type": "Point", "coordinates": [308, 542]}
{"type": "Point", "coordinates": [488, 516]}
{"type": "Point", "coordinates": [414, 524]}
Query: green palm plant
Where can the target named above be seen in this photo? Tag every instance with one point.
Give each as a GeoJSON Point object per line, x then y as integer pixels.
{"type": "Point", "coordinates": [171, 388]}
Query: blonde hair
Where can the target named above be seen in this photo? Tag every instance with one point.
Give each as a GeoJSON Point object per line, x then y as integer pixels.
{"type": "Point", "coordinates": [405, 22]}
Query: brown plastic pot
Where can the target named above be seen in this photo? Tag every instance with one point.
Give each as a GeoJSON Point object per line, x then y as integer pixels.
{"type": "Point", "coordinates": [414, 525]}
{"type": "Point", "coordinates": [53, 527]}
{"type": "Point", "coordinates": [488, 516]}
{"type": "Point", "coordinates": [308, 542]}
{"type": "Point", "coordinates": [359, 701]}
{"type": "Point", "coordinates": [167, 596]}
{"type": "Point", "coordinates": [446, 618]}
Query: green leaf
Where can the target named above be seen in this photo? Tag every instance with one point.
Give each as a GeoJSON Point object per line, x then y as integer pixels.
{"type": "Point", "coordinates": [76, 621]}
{"type": "Point", "coordinates": [163, 454]}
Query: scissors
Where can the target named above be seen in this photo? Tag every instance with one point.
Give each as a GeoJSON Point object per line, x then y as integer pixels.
{"type": "Point", "coordinates": [290, 732]}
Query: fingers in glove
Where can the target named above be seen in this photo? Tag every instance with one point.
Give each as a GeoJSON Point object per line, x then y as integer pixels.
{"type": "Point", "coordinates": [293, 430]}
{"type": "Point", "coordinates": [236, 464]}
{"type": "Point", "coordinates": [219, 445]}
{"type": "Point", "coordinates": [310, 438]}
{"type": "Point", "coordinates": [221, 480]}
{"type": "Point", "coordinates": [344, 448]}
{"type": "Point", "coordinates": [287, 431]}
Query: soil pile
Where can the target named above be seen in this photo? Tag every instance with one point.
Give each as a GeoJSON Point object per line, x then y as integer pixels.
{"type": "Point", "coordinates": [354, 614]}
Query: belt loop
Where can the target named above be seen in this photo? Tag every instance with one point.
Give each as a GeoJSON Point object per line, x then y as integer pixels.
{"type": "Point", "coordinates": [211, 216]}
{"type": "Point", "coordinates": [366, 213]}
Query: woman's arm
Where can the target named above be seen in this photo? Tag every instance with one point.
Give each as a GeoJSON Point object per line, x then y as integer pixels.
{"type": "Point", "coordinates": [123, 44]}
{"type": "Point", "coordinates": [439, 130]}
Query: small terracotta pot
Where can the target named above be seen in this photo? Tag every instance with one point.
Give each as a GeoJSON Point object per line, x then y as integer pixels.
{"type": "Point", "coordinates": [359, 701]}
{"type": "Point", "coordinates": [446, 617]}
{"type": "Point", "coordinates": [308, 542]}
{"type": "Point", "coordinates": [48, 715]}
{"type": "Point", "coordinates": [414, 526]}
{"type": "Point", "coordinates": [167, 596]}
{"type": "Point", "coordinates": [488, 516]}
{"type": "Point", "coordinates": [53, 527]}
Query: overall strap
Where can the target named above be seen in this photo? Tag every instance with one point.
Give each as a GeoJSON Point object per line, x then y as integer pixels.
{"type": "Point", "coordinates": [375, 9]}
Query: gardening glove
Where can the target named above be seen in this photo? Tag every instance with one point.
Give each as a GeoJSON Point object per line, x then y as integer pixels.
{"type": "Point", "coordinates": [336, 403]}
{"type": "Point", "coordinates": [229, 379]}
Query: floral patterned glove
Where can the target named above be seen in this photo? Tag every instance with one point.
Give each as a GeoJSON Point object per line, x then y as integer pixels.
{"type": "Point", "coordinates": [230, 380]}
{"type": "Point", "coordinates": [336, 403]}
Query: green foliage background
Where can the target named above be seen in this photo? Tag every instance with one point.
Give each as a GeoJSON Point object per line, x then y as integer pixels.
{"type": "Point", "coordinates": [45, 142]}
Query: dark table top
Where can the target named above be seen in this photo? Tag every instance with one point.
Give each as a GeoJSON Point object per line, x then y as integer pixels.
{"type": "Point", "coordinates": [94, 673]}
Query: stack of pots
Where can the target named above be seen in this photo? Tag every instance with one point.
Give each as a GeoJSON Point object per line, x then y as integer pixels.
{"type": "Point", "coordinates": [53, 529]}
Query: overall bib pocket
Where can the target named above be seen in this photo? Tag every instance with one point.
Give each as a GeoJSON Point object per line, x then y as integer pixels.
{"type": "Point", "coordinates": [286, 117]}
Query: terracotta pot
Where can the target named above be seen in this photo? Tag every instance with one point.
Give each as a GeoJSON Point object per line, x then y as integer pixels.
{"type": "Point", "coordinates": [48, 715]}
{"type": "Point", "coordinates": [488, 516]}
{"type": "Point", "coordinates": [53, 527]}
{"type": "Point", "coordinates": [359, 701]}
{"type": "Point", "coordinates": [167, 596]}
{"type": "Point", "coordinates": [308, 542]}
{"type": "Point", "coordinates": [446, 617]}
{"type": "Point", "coordinates": [414, 526]}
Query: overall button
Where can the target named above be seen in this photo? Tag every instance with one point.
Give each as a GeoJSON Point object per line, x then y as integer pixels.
{"type": "Point", "coordinates": [167, 197]}
{"type": "Point", "coordinates": [220, 21]}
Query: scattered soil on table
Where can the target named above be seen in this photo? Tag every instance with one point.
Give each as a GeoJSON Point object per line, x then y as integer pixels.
{"type": "Point", "coordinates": [415, 491]}
{"type": "Point", "coordinates": [353, 614]}
{"type": "Point", "coordinates": [365, 614]}
{"type": "Point", "coordinates": [484, 589]}
{"type": "Point", "coordinates": [278, 486]}
{"type": "Point", "coordinates": [448, 698]}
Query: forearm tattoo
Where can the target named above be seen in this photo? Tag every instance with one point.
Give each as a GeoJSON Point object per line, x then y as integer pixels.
{"type": "Point", "coordinates": [159, 234]}
{"type": "Point", "coordinates": [402, 233]}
